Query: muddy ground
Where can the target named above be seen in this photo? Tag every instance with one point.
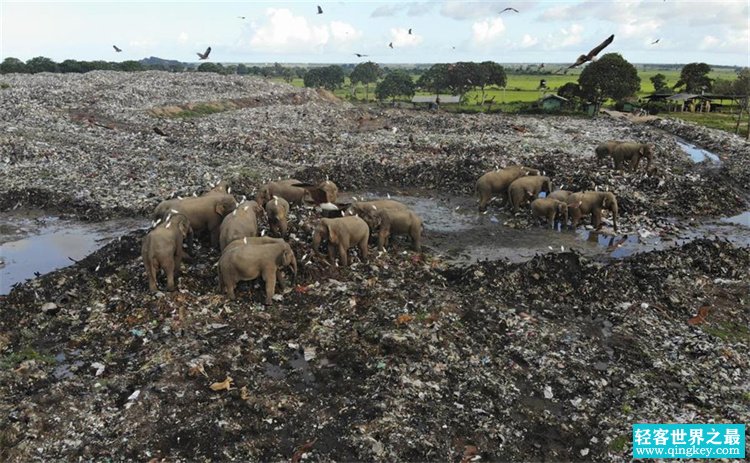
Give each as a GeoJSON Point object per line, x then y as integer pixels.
{"type": "Point", "coordinates": [408, 357]}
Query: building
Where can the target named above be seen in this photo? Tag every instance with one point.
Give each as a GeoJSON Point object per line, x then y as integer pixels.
{"type": "Point", "coordinates": [552, 102]}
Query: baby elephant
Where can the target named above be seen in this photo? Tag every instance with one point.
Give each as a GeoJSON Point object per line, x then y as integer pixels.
{"type": "Point", "coordinates": [560, 195]}
{"type": "Point", "coordinates": [551, 209]}
{"type": "Point", "coordinates": [240, 223]}
{"type": "Point", "coordinates": [395, 222]}
{"type": "Point", "coordinates": [526, 189]}
{"type": "Point", "coordinates": [342, 233]}
{"type": "Point", "coordinates": [277, 211]}
{"type": "Point", "coordinates": [162, 248]}
{"type": "Point", "coordinates": [248, 262]}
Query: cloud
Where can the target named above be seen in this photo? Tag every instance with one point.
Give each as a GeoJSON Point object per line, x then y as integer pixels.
{"type": "Point", "coordinates": [401, 38]}
{"type": "Point", "coordinates": [183, 37]}
{"type": "Point", "coordinates": [286, 33]}
{"type": "Point", "coordinates": [487, 31]}
{"type": "Point", "coordinates": [420, 8]}
{"type": "Point", "coordinates": [469, 10]}
{"type": "Point", "coordinates": [709, 42]}
{"type": "Point", "coordinates": [139, 43]}
{"type": "Point", "coordinates": [384, 11]}
{"type": "Point", "coordinates": [569, 37]}
{"type": "Point", "coordinates": [528, 41]}
{"type": "Point", "coordinates": [638, 29]}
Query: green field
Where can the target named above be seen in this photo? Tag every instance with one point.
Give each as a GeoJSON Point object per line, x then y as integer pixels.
{"type": "Point", "coordinates": [523, 89]}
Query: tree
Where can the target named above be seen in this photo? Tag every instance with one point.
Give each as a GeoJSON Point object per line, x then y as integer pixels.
{"type": "Point", "coordinates": [210, 67]}
{"type": "Point", "coordinates": [328, 77]}
{"type": "Point", "coordinates": [396, 83]}
{"type": "Point", "coordinates": [694, 77]}
{"type": "Point", "coordinates": [462, 77]}
{"type": "Point", "coordinates": [10, 65]}
{"type": "Point", "coordinates": [366, 73]}
{"type": "Point", "coordinates": [41, 64]}
{"type": "Point", "coordinates": [660, 83]}
{"type": "Point", "coordinates": [130, 66]}
{"type": "Point", "coordinates": [609, 77]}
{"type": "Point", "coordinates": [490, 73]}
{"type": "Point", "coordinates": [434, 79]}
{"type": "Point", "coordinates": [242, 69]}
{"type": "Point", "coordinates": [741, 88]}
{"type": "Point", "coordinates": [570, 91]}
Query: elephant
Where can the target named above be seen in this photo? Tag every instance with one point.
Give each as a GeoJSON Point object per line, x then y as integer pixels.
{"type": "Point", "coordinates": [363, 207]}
{"type": "Point", "coordinates": [592, 202]}
{"type": "Point", "coordinates": [342, 233]}
{"type": "Point", "coordinates": [527, 188]}
{"type": "Point", "coordinates": [632, 152]}
{"type": "Point", "coordinates": [605, 149]}
{"type": "Point", "coordinates": [551, 209]}
{"type": "Point", "coordinates": [243, 221]}
{"type": "Point", "coordinates": [325, 192]}
{"type": "Point", "coordinates": [497, 183]}
{"type": "Point", "coordinates": [163, 208]}
{"type": "Point", "coordinates": [394, 222]}
{"type": "Point", "coordinates": [284, 189]}
{"type": "Point", "coordinates": [560, 195]}
{"type": "Point", "coordinates": [243, 263]}
{"type": "Point", "coordinates": [206, 214]}
{"type": "Point", "coordinates": [162, 248]}
{"type": "Point", "coordinates": [220, 188]}
{"type": "Point", "coordinates": [277, 211]}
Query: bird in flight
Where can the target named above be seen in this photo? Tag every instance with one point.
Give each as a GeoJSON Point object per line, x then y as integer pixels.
{"type": "Point", "coordinates": [118, 50]}
{"type": "Point", "coordinates": [509, 9]}
{"type": "Point", "coordinates": [205, 54]}
{"type": "Point", "coordinates": [390, 44]}
{"type": "Point", "coordinates": [320, 10]}
{"type": "Point", "coordinates": [655, 42]}
{"type": "Point", "coordinates": [592, 54]}
{"type": "Point", "coordinates": [241, 17]}
{"type": "Point", "coordinates": [410, 31]}
{"type": "Point", "coordinates": [360, 55]}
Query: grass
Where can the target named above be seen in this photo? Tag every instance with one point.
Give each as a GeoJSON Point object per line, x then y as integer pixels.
{"type": "Point", "coordinates": [722, 121]}
{"type": "Point", "coordinates": [729, 331]}
{"type": "Point", "coordinates": [13, 359]}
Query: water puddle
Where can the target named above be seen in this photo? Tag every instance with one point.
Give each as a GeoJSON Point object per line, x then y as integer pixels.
{"type": "Point", "coordinates": [32, 243]}
{"type": "Point", "coordinates": [454, 228]}
{"type": "Point", "coordinates": [696, 153]}
{"type": "Point", "coordinates": [740, 219]}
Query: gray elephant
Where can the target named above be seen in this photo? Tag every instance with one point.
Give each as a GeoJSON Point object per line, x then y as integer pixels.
{"type": "Point", "coordinates": [394, 222]}
{"type": "Point", "coordinates": [527, 188]}
{"type": "Point", "coordinates": [363, 207]}
{"type": "Point", "coordinates": [604, 150]}
{"type": "Point", "coordinates": [220, 188]}
{"type": "Point", "coordinates": [496, 183]}
{"type": "Point", "coordinates": [283, 189]}
{"type": "Point", "coordinates": [243, 263]}
{"type": "Point", "coordinates": [560, 195]}
{"type": "Point", "coordinates": [551, 210]}
{"type": "Point", "coordinates": [162, 248]}
{"type": "Point", "coordinates": [632, 153]}
{"type": "Point", "coordinates": [592, 202]}
{"type": "Point", "coordinates": [277, 211]}
{"type": "Point", "coordinates": [342, 233]}
{"type": "Point", "coordinates": [325, 192]}
{"type": "Point", "coordinates": [243, 221]}
{"type": "Point", "coordinates": [206, 214]}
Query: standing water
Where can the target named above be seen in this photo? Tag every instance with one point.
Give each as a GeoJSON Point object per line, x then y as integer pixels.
{"type": "Point", "coordinates": [33, 244]}
{"type": "Point", "coordinates": [696, 153]}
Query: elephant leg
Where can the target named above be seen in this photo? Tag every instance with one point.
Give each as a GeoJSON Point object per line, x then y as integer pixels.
{"type": "Point", "coordinates": [214, 237]}
{"type": "Point", "coordinates": [284, 228]}
{"type": "Point", "coordinates": [551, 220]}
{"type": "Point", "coordinates": [152, 267]}
{"type": "Point", "coordinates": [596, 218]}
{"type": "Point", "coordinates": [484, 198]}
{"type": "Point", "coordinates": [344, 255]}
{"type": "Point", "coordinates": [230, 285]}
{"type": "Point", "coordinates": [281, 279]}
{"type": "Point", "coordinates": [169, 270]}
{"type": "Point", "coordinates": [331, 253]}
{"type": "Point", "coordinates": [363, 249]}
{"type": "Point", "coordinates": [382, 239]}
{"type": "Point", "coordinates": [618, 163]}
{"type": "Point", "coordinates": [416, 239]}
{"type": "Point", "coordinates": [270, 278]}
{"type": "Point", "coordinates": [634, 163]}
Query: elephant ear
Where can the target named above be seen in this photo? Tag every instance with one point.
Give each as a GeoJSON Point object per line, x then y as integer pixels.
{"type": "Point", "coordinates": [642, 150]}
{"type": "Point", "coordinates": [184, 227]}
{"type": "Point", "coordinates": [219, 208]}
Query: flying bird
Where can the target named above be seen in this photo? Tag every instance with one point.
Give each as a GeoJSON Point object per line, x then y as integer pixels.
{"type": "Point", "coordinates": [241, 17]}
{"type": "Point", "coordinates": [410, 31]}
{"type": "Point", "coordinates": [205, 54]}
{"type": "Point", "coordinates": [360, 55]}
{"type": "Point", "coordinates": [509, 9]}
{"type": "Point", "coordinates": [592, 54]}
{"type": "Point", "coordinates": [320, 10]}
{"type": "Point", "coordinates": [655, 42]}
{"type": "Point", "coordinates": [390, 44]}
{"type": "Point", "coordinates": [118, 50]}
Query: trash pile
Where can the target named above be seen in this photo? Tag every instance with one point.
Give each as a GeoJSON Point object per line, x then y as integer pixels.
{"type": "Point", "coordinates": [406, 357]}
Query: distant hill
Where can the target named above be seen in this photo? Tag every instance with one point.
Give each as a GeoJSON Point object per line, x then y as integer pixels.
{"type": "Point", "coordinates": [166, 63]}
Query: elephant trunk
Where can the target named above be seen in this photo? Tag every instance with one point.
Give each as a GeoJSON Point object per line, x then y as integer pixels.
{"type": "Point", "coordinates": [614, 215]}
{"type": "Point", "coordinates": [293, 264]}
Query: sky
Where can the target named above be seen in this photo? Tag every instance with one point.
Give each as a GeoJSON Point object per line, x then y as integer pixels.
{"type": "Point", "coordinates": [547, 31]}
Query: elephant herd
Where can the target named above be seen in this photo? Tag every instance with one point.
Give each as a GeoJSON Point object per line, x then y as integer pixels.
{"type": "Point", "coordinates": [521, 185]}
{"type": "Point", "coordinates": [233, 228]}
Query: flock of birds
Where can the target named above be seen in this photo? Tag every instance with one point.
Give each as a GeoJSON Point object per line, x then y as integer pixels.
{"type": "Point", "coordinates": [590, 56]}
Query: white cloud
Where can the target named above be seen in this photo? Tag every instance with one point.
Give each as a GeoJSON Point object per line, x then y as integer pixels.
{"type": "Point", "coordinates": [487, 31]}
{"type": "Point", "coordinates": [709, 42]}
{"type": "Point", "coordinates": [140, 43]}
{"type": "Point", "coordinates": [183, 37]}
{"type": "Point", "coordinates": [285, 32]}
{"type": "Point", "coordinates": [469, 10]}
{"type": "Point", "coordinates": [638, 29]}
{"type": "Point", "coordinates": [384, 11]}
{"type": "Point", "coordinates": [571, 36]}
{"type": "Point", "coordinates": [401, 38]}
{"type": "Point", "coordinates": [528, 41]}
